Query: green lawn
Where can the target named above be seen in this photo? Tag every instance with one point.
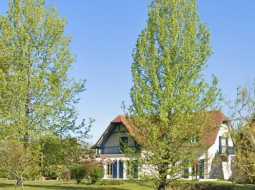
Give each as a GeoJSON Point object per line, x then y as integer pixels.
{"type": "Point", "coordinates": [53, 185]}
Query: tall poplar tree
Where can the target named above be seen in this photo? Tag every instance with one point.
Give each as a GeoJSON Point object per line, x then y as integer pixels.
{"type": "Point", "coordinates": [170, 97]}
{"type": "Point", "coordinates": [37, 94]}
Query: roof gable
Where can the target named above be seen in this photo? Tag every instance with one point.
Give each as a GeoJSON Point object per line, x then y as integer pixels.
{"type": "Point", "coordinates": [209, 134]}
{"type": "Point", "coordinates": [118, 120]}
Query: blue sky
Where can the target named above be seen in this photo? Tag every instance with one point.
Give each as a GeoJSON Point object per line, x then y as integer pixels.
{"type": "Point", "coordinates": [104, 33]}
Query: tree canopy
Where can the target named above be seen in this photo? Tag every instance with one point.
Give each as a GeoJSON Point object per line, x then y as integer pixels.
{"type": "Point", "coordinates": [38, 96]}
{"type": "Point", "coordinates": [169, 94]}
{"type": "Point", "coordinates": [37, 93]}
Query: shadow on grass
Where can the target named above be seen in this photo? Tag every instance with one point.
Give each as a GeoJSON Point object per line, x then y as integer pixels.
{"type": "Point", "coordinates": [144, 183]}
{"type": "Point", "coordinates": [70, 187]}
{"type": "Point", "coordinates": [6, 185]}
{"type": "Point", "coordinates": [60, 187]}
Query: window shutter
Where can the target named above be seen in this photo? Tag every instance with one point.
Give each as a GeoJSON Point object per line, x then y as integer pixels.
{"type": "Point", "coordinates": [227, 145]}
{"type": "Point", "coordinates": [220, 145]}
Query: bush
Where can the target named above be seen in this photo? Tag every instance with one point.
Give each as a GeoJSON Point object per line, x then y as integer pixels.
{"type": "Point", "coordinates": [66, 175]}
{"type": "Point", "coordinates": [96, 173]}
{"type": "Point", "coordinates": [238, 175]}
{"type": "Point", "coordinates": [195, 185]}
{"type": "Point", "coordinates": [78, 172]}
{"type": "Point", "coordinates": [3, 174]}
{"type": "Point", "coordinates": [95, 176]}
{"type": "Point", "coordinates": [92, 170]}
{"type": "Point", "coordinates": [54, 172]}
{"type": "Point", "coordinates": [111, 182]}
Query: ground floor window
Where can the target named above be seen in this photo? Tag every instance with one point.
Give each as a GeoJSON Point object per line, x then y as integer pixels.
{"type": "Point", "coordinates": [195, 170]}
{"type": "Point", "coordinates": [186, 165]}
{"type": "Point", "coordinates": [186, 173]}
{"type": "Point", "coordinates": [109, 169]}
{"type": "Point", "coordinates": [132, 169]}
{"type": "Point", "coordinates": [201, 169]}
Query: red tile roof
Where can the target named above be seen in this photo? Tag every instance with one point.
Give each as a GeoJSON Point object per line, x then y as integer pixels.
{"type": "Point", "coordinates": [216, 118]}
{"type": "Point", "coordinates": [211, 131]}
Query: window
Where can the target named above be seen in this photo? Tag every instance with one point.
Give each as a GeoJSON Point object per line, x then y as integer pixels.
{"type": "Point", "coordinates": [122, 129]}
{"type": "Point", "coordinates": [186, 165]}
{"type": "Point", "coordinates": [135, 169]}
{"type": "Point", "coordinates": [132, 169]}
{"type": "Point", "coordinates": [137, 147]}
{"type": "Point", "coordinates": [119, 129]}
{"type": "Point", "coordinates": [195, 170]}
{"type": "Point", "coordinates": [97, 151]}
{"type": "Point", "coordinates": [194, 140]}
{"type": "Point", "coordinates": [109, 169]}
{"type": "Point", "coordinates": [223, 145]}
{"type": "Point", "coordinates": [123, 143]}
{"type": "Point", "coordinates": [201, 169]}
{"type": "Point", "coordinates": [186, 173]}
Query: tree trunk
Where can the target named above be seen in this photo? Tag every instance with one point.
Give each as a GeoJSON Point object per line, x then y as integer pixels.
{"type": "Point", "coordinates": [162, 186]}
{"type": "Point", "coordinates": [163, 176]}
{"type": "Point", "coordinates": [19, 182]}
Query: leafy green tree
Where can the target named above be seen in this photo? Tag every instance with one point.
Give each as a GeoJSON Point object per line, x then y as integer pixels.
{"type": "Point", "coordinates": [78, 172]}
{"type": "Point", "coordinates": [243, 133]}
{"type": "Point", "coordinates": [37, 94]}
{"type": "Point", "coordinates": [18, 161]}
{"type": "Point", "coordinates": [94, 170]}
{"type": "Point", "coordinates": [60, 153]}
{"type": "Point", "coordinates": [51, 155]}
{"type": "Point", "coordinates": [244, 165]}
{"type": "Point", "coordinates": [170, 97]}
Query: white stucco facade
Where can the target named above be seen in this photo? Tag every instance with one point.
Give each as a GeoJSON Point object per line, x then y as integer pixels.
{"type": "Point", "coordinates": [214, 163]}
{"type": "Point", "coordinates": [214, 150]}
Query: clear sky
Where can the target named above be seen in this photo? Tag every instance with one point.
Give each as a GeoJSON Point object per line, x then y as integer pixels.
{"type": "Point", "coordinates": [104, 33]}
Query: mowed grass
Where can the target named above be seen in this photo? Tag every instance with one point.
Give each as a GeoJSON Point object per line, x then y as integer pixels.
{"type": "Point", "coordinates": [55, 185]}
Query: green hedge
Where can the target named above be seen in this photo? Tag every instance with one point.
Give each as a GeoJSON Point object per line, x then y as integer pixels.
{"type": "Point", "coordinates": [216, 185]}
{"type": "Point", "coordinates": [110, 182]}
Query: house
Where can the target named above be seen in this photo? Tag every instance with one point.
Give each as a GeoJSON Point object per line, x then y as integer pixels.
{"type": "Point", "coordinates": [214, 163]}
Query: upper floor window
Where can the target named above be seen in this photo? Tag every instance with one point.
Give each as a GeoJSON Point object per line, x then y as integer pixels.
{"type": "Point", "coordinates": [97, 151]}
{"type": "Point", "coordinates": [119, 129]}
{"type": "Point", "coordinates": [194, 140]}
{"type": "Point", "coordinates": [223, 145]}
{"type": "Point", "coordinates": [123, 143]}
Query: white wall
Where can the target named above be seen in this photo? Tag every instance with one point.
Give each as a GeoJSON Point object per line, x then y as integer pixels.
{"type": "Point", "coordinates": [212, 151]}
{"type": "Point", "coordinates": [113, 140]}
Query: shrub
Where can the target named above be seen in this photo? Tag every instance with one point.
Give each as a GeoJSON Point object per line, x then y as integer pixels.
{"type": "Point", "coordinates": [66, 175]}
{"type": "Point", "coordinates": [3, 174]}
{"type": "Point", "coordinates": [96, 173]}
{"type": "Point", "coordinates": [111, 182]}
{"type": "Point", "coordinates": [56, 172]}
{"type": "Point", "coordinates": [78, 172]}
{"type": "Point", "coordinates": [94, 170]}
{"type": "Point", "coordinates": [239, 176]}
